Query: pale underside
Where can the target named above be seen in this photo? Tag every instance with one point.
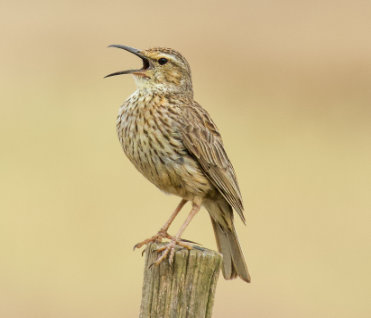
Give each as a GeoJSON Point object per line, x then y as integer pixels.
{"type": "Point", "coordinates": [174, 143]}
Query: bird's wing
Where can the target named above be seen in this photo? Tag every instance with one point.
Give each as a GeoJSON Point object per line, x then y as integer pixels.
{"type": "Point", "coordinates": [202, 139]}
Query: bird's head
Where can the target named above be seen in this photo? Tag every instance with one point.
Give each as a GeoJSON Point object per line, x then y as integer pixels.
{"type": "Point", "coordinates": [162, 68]}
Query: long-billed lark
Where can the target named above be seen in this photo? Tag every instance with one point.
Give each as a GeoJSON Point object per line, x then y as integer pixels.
{"type": "Point", "coordinates": [175, 144]}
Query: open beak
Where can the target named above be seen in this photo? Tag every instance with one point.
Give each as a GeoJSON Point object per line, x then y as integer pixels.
{"type": "Point", "coordinates": [137, 52]}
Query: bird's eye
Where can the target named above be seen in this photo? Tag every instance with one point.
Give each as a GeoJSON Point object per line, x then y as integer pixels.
{"type": "Point", "coordinates": [162, 61]}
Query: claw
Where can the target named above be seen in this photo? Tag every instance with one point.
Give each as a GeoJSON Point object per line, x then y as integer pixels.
{"type": "Point", "coordinates": [171, 248]}
{"type": "Point", "coordinates": [171, 256]}
{"type": "Point", "coordinates": [185, 245]}
{"type": "Point", "coordinates": [189, 241]}
{"type": "Point", "coordinates": [165, 252]}
{"type": "Point", "coordinates": [156, 238]}
{"type": "Point", "coordinates": [144, 250]}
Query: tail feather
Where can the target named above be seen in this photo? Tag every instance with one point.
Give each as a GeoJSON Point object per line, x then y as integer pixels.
{"type": "Point", "coordinates": [226, 238]}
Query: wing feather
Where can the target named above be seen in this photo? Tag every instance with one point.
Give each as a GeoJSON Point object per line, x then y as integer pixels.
{"type": "Point", "coordinates": [202, 139]}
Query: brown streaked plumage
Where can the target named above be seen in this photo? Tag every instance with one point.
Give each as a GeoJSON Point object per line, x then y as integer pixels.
{"type": "Point", "coordinates": [175, 144]}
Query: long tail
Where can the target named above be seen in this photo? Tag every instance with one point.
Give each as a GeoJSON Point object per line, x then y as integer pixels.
{"type": "Point", "coordinates": [234, 264]}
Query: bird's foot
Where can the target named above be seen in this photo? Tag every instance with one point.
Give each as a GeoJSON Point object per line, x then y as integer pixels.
{"type": "Point", "coordinates": [156, 238]}
{"type": "Point", "coordinates": [169, 250]}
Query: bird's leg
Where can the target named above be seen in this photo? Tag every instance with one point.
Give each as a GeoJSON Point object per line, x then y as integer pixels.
{"type": "Point", "coordinates": [166, 226]}
{"type": "Point", "coordinates": [170, 247]}
{"type": "Point", "coordinates": [163, 231]}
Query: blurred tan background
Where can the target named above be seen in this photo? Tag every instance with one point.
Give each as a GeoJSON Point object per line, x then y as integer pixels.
{"type": "Point", "coordinates": [289, 85]}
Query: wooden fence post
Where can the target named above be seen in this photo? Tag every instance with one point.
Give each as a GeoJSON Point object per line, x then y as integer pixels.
{"type": "Point", "coordinates": [184, 289]}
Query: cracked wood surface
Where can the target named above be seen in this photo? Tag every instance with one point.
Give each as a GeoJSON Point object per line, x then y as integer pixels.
{"type": "Point", "coordinates": [185, 289]}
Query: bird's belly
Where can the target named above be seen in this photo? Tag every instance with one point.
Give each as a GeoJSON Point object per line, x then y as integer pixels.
{"type": "Point", "coordinates": [161, 157]}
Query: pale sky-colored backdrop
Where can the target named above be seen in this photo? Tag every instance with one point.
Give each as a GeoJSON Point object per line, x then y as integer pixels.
{"type": "Point", "coordinates": [289, 85]}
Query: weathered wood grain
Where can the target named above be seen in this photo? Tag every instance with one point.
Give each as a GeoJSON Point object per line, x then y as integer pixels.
{"type": "Point", "coordinates": [184, 289]}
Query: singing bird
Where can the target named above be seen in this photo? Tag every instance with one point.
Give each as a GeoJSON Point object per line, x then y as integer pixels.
{"type": "Point", "coordinates": [175, 144]}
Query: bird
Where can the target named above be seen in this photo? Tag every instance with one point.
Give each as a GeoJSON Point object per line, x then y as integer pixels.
{"type": "Point", "coordinates": [174, 143]}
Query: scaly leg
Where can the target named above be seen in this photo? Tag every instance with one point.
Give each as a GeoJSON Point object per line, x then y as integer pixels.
{"type": "Point", "coordinates": [170, 247]}
{"type": "Point", "coordinates": [163, 231]}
